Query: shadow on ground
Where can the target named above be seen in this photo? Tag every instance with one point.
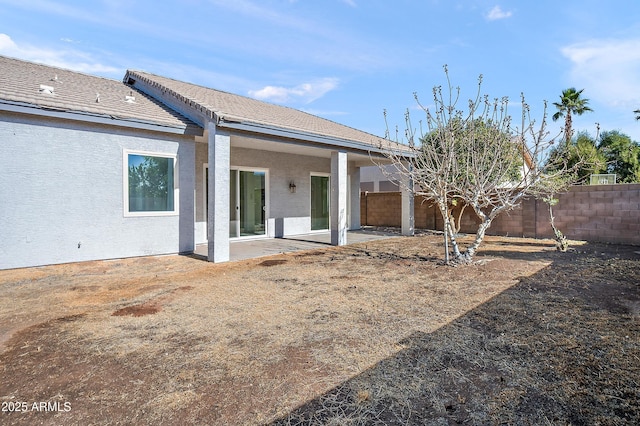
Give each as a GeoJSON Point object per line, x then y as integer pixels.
{"type": "Point", "coordinates": [560, 347]}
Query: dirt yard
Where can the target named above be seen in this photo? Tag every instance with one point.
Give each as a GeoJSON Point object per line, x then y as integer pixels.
{"type": "Point", "coordinates": [374, 333]}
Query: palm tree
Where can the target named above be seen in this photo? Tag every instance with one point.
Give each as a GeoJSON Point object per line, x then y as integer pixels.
{"type": "Point", "coordinates": [637, 113]}
{"type": "Point", "coordinates": [570, 103]}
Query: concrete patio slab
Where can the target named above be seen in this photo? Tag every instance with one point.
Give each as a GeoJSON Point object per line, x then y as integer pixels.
{"type": "Point", "coordinates": [249, 249]}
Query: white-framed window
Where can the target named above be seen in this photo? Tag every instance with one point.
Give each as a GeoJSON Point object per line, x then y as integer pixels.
{"type": "Point", "coordinates": [150, 183]}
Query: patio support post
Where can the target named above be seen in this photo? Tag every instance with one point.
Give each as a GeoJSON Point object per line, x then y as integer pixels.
{"type": "Point", "coordinates": [338, 198]}
{"type": "Point", "coordinates": [355, 199]}
{"type": "Point", "coordinates": [219, 158]}
{"type": "Point", "coordinates": [408, 200]}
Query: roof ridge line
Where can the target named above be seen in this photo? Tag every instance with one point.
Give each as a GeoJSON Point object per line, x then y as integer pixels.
{"type": "Point", "coordinates": [156, 84]}
{"type": "Point", "coordinates": [189, 101]}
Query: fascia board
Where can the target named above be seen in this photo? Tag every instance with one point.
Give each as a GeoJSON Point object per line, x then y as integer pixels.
{"type": "Point", "coordinates": [25, 108]}
{"type": "Point", "coordinates": [304, 137]}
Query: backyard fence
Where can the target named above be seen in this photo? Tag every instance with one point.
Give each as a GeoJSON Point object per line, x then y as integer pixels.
{"type": "Point", "coordinates": [603, 213]}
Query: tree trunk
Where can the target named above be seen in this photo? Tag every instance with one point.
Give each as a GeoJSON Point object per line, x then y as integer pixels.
{"type": "Point", "coordinates": [561, 240]}
{"type": "Point", "coordinates": [449, 235]}
{"type": "Point", "coordinates": [457, 223]}
{"type": "Point", "coordinates": [467, 256]}
{"type": "Point", "coordinates": [568, 128]}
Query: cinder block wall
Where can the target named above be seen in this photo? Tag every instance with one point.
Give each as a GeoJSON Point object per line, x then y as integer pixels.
{"type": "Point", "coordinates": [606, 213]}
{"type": "Point", "coordinates": [603, 213]}
{"type": "Point", "coordinates": [381, 209]}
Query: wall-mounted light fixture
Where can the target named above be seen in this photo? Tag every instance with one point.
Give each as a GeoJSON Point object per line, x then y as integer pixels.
{"type": "Point", "coordinates": [292, 187]}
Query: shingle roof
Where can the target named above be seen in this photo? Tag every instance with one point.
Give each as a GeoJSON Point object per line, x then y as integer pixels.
{"type": "Point", "coordinates": [235, 108]}
{"type": "Point", "coordinates": [29, 84]}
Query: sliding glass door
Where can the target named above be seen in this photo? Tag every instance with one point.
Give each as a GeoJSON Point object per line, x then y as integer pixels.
{"type": "Point", "coordinates": [319, 202]}
{"type": "Point", "coordinates": [247, 203]}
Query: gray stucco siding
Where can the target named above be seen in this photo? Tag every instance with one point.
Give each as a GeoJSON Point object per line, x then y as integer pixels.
{"type": "Point", "coordinates": [62, 193]}
{"type": "Point", "coordinates": [294, 209]}
{"type": "Point", "coordinates": [283, 169]}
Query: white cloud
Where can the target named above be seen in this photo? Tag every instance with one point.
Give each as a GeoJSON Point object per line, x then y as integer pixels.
{"type": "Point", "coordinates": [351, 3]}
{"type": "Point", "coordinates": [6, 44]}
{"type": "Point", "coordinates": [608, 70]}
{"type": "Point", "coordinates": [497, 13]}
{"type": "Point", "coordinates": [306, 92]}
{"type": "Point", "coordinates": [63, 58]}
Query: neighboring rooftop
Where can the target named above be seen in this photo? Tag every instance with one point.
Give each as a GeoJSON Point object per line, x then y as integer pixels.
{"type": "Point", "coordinates": [228, 107]}
{"type": "Point", "coordinates": [33, 85]}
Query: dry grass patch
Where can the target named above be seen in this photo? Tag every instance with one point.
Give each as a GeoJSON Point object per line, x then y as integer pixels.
{"type": "Point", "coordinates": [373, 332]}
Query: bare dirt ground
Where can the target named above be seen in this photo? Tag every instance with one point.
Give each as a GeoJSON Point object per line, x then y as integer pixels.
{"type": "Point", "coordinates": [374, 333]}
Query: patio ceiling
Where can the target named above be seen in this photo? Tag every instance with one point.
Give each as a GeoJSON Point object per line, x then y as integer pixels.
{"type": "Point", "coordinates": [292, 146]}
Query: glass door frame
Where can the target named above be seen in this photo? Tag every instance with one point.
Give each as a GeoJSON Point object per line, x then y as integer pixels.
{"type": "Point", "coordinates": [328, 176]}
{"type": "Point", "coordinates": [234, 169]}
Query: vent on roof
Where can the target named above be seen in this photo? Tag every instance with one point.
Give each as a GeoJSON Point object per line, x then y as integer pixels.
{"type": "Point", "coordinates": [47, 90]}
{"type": "Point", "coordinates": [130, 99]}
{"type": "Point", "coordinates": [55, 78]}
{"type": "Point", "coordinates": [97, 98]}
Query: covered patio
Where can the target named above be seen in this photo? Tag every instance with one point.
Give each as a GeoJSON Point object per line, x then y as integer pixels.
{"type": "Point", "coordinates": [253, 248]}
{"type": "Point", "coordinates": [268, 171]}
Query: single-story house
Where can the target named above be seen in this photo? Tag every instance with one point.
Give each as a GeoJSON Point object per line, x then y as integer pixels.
{"type": "Point", "coordinates": [97, 168]}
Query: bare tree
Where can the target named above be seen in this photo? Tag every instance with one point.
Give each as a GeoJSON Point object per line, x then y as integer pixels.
{"type": "Point", "coordinates": [477, 158]}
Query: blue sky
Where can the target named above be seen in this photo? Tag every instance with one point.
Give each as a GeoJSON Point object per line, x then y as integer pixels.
{"type": "Point", "coordinates": [348, 60]}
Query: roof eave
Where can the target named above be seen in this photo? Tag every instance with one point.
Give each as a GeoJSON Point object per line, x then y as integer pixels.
{"type": "Point", "coordinates": [329, 141]}
{"type": "Point", "coordinates": [51, 112]}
